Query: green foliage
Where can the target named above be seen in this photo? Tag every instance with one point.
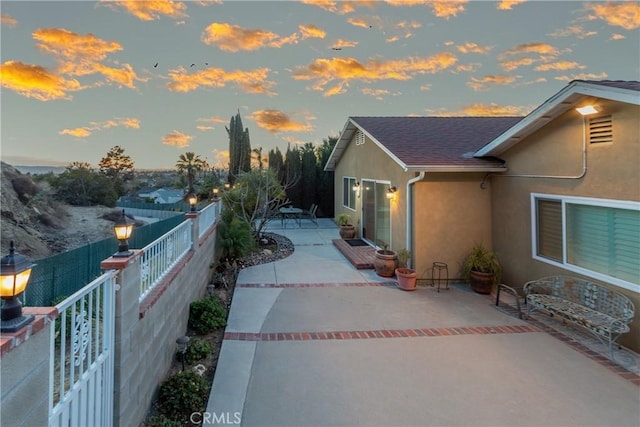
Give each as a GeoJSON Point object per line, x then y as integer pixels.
{"type": "Point", "coordinates": [188, 164]}
{"type": "Point", "coordinates": [207, 314]}
{"type": "Point", "coordinates": [197, 350]}
{"type": "Point", "coordinates": [404, 255]}
{"type": "Point", "coordinates": [118, 167]}
{"type": "Point", "coordinates": [309, 179]}
{"type": "Point", "coordinates": [182, 394]}
{"type": "Point", "coordinates": [234, 236]}
{"type": "Point", "coordinates": [481, 259]}
{"type": "Point", "coordinates": [343, 219]}
{"type": "Point", "coordinates": [293, 174]}
{"type": "Point", "coordinates": [326, 190]}
{"type": "Point", "coordinates": [276, 163]}
{"type": "Point", "coordinates": [81, 185]}
{"type": "Point", "coordinates": [163, 421]}
{"type": "Point", "coordinates": [239, 148]}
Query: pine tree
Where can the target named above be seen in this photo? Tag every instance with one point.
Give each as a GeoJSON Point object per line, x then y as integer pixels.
{"type": "Point", "coordinates": [293, 174]}
{"type": "Point", "coordinates": [239, 148]}
{"type": "Point", "coordinates": [308, 176]}
{"type": "Point", "coordinates": [276, 162]}
{"type": "Point", "coordinates": [326, 190]}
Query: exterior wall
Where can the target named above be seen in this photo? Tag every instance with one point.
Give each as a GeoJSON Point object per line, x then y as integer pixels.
{"type": "Point", "coordinates": [452, 214]}
{"type": "Point", "coordinates": [368, 161]}
{"type": "Point", "coordinates": [556, 149]}
{"type": "Point", "coordinates": [146, 332]}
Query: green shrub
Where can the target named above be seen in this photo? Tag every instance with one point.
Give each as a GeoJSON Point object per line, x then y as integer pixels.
{"type": "Point", "coordinates": [182, 394]}
{"type": "Point", "coordinates": [163, 421]}
{"type": "Point", "coordinates": [234, 236]}
{"type": "Point", "coordinates": [197, 350]}
{"type": "Point", "coordinates": [207, 315]}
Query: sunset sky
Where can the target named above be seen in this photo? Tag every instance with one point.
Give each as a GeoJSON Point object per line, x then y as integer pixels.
{"type": "Point", "coordinates": [79, 77]}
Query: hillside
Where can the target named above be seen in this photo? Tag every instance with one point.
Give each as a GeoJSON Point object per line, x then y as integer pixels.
{"type": "Point", "coordinates": [40, 225]}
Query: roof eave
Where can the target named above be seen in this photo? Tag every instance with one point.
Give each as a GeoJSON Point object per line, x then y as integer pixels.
{"type": "Point", "coordinates": [455, 168]}
{"type": "Point", "coordinates": [528, 124]}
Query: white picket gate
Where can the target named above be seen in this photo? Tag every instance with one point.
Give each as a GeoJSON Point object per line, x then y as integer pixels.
{"type": "Point", "coordinates": [82, 341]}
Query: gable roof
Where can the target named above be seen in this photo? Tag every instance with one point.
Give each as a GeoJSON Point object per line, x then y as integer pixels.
{"type": "Point", "coordinates": [445, 144]}
{"type": "Point", "coordinates": [576, 93]}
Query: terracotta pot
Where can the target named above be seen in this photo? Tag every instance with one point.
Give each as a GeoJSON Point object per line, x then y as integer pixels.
{"type": "Point", "coordinates": [347, 231]}
{"type": "Point", "coordinates": [407, 278]}
{"type": "Point", "coordinates": [385, 262]}
{"type": "Point", "coordinates": [481, 283]}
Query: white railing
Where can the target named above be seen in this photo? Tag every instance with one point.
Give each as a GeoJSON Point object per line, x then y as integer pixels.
{"type": "Point", "coordinates": [160, 256]}
{"type": "Point", "coordinates": [81, 367]}
{"type": "Point", "coordinates": [207, 218]}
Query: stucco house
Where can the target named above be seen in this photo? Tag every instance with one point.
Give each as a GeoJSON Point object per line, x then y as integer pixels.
{"type": "Point", "coordinates": [161, 195]}
{"type": "Point", "coordinates": [555, 192]}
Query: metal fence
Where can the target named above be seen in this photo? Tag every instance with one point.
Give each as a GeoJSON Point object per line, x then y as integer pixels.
{"type": "Point", "coordinates": [58, 276]}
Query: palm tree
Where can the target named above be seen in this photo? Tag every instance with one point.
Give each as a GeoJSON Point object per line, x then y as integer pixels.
{"type": "Point", "coordinates": [189, 163]}
{"type": "Point", "coordinates": [257, 156]}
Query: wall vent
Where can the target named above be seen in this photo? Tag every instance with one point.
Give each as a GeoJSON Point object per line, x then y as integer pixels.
{"type": "Point", "coordinates": [359, 137]}
{"type": "Point", "coordinates": [600, 130]}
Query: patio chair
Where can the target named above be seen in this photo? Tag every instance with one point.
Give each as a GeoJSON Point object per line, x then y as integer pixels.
{"type": "Point", "coordinates": [310, 214]}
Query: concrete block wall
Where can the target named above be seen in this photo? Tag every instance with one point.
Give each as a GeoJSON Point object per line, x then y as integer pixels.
{"type": "Point", "coordinates": [146, 332]}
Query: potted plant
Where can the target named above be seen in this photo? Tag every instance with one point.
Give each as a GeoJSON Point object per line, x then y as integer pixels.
{"type": "Point", "coordinates": [347, 230]}
{"type": "Point", "coordinates": [481, 267]}
{"type": "Point", "coordinates": [406, 276]}
{"type": "Point", "coordinates": [385, 261]}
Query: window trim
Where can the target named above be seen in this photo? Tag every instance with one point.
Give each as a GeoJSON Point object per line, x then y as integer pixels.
{"type": "Point", "coordinates": [350, 192]}
{"type": "Point", "coordinates": [564, 200]}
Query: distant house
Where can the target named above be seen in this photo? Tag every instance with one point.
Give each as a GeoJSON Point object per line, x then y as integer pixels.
{"type": "Point", "coordinates": [554, 192]}
{"type": "Point", "coordinates": [161, 195]}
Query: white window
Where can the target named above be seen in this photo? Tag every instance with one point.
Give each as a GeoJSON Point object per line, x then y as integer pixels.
{"type": "Point", "coordinates": [599, 238]}
{"type": "Point", "coordinates": [348, 193]}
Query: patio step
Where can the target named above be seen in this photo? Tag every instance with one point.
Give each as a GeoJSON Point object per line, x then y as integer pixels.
{"type": "Point", "coordinates": [360, 256]}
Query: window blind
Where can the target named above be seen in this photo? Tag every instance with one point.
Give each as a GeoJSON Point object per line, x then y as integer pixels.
{"type": "Point", "coordinates": [550, 229]}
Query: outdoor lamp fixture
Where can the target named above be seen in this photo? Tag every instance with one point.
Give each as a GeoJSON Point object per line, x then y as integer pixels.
{"type": "Point", "coordinates": [391, 192]}
{"type": "Point", "coordinates": [227, 185]}
{"type": "Point", "coordinates": [356, 188]}
{"type": "Point", "coordinates": [15, 270]}
{"type": "Point", "coordinates": [182, 343]}
{"type": "Point", "coordinates": [587, 110]}
{"type": "Point", "coordinates": [192, 199]}
{"type": "Point", "coordinates": [123, 230]}
{"type": "Point", "coordinates": [215, 192]}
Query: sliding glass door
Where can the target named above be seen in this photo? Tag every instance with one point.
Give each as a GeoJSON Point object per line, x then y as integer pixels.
{"type": "Point", "coordinates": [376, 213]}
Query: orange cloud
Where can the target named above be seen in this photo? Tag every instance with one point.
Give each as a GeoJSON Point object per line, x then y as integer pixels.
{"type": "Point", "coordinates": [276, 121]}
{"type": "Point", "coordinates": [467, 68]}
{"type": "Point", "coordinates": [324, 71]}
{"type": "Point", "coordinates": [84, 131]}
{"type": "Point", "coordinates": [212, 119]}
{"type": "Point", "coordinates": [203, 128]}
{"type": "Point", "coordinates": [446, 9]}
{"type": "Point", "coordinates": [233, 38]}
{"type": "Point", "coordinates": [583, 76]}
{"type": "Point", "coordinates": [514, 64]}
{"type": "Point", "coordinates": [540, 48]}
{"type": "Point", "coordinates": [616, 36]}
{"type": "Point", "coordinates": [34, 81]}
{"type": "Point", "coordinates": [618, 14]}
{"type": "Point", "coordinates": [470, 47]}
{"type": "Point", "coordinates": [340, 43]}
{"type": "Point", "coordinates": [8, 20]}
{"type": "Point", "coordinates": [77, 132]}
{"type": "Point", "coordinates": [484, 110]}
{"type": "Point", "coordinates": [149, 10]}
{"type": "Point", "coordinates": [339, 7]}
{"type": "Point", "coordinates": [573, 30]}
{"type": "Point", "coordinates": [311, 31]}
{"type": "Point", "coordinates": [221, 158]}
{"type": "Point", "coordinates": [378, 94]}
{"type": "Point", "coordinates": [177, 139]}
{"type": "Point", "coordinates": [508, 4]}
{"type": "Point", "coordinates": [408, 25]}
{"type": "Point", "coordinates": [491, 80]}
{"type": "Point", "coordinates": [254, 81]}
{"type": "Point", "coordinates": [561, 65]}
{"type": "Point", "coordinates": [359, 22]}
{"type": "Point", "coordinates": [80, 55]}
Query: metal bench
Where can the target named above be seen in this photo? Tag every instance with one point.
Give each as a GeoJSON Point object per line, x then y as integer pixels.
{"type": "Point", "coordinates": [604, 312]}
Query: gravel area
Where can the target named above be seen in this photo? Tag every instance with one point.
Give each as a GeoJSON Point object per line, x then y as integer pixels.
{"type": "Point", "coordinates": [262, 256]}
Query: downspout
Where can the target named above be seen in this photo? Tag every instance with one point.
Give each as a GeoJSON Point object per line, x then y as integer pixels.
{"type": "Point", "coordinates": [584, 164]}
{"type": "Point", "coordinates": [412, 181]}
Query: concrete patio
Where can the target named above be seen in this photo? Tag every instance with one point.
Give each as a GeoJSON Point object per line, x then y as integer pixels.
{"type": "Point", "coordinates": [313, 341]}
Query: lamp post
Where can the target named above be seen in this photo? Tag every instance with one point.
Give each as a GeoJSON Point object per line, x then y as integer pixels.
{"type": "Point", "coordinates": [15, 270]}
{"type": "Point", "coordinates": [123, 230]}
{"type": "Point", "coordinates": [182, 343]}
{"type": "Point", "coordinates": [192, 199]}
{"type": "Point", "coordinates": [215, 192]}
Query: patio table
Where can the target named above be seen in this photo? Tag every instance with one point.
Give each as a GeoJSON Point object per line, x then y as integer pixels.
{"type": "Point", "coordinates": [290, 213]}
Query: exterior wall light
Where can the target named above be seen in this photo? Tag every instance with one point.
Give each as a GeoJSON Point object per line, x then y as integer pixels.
{"type": "Point", "coordinates": [123, 230]}
{"type": "Point", "coordinates": [356, 188]}
{"type": "Point", "coordinates": [182, 344]}
{"type": "Point", "coordinates": [15, 270]}
{"type": "Point", "coordinates": [192, 199]}
{"type": "Point", "coordinates": [588, 110]}
{"type": "Point", "coordinates": [215, 192]}
{"type": "Point", "coordinates": [391, 192]}
{"type": "Point", "coordinates": [227, 186]}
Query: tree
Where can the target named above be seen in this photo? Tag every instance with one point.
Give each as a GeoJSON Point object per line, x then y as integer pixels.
{"type": "Point", "coordinates": [308, 182]}
{"type": "Point", "coordinates": [293, 173]}
{"type": "Point", "coordinates": [326, 189]}
{"type": "Point", "coordinates": [239, 148]}
{"type": "Point", "coordinates": [188, 164]}
{"type": "Point", "coordinates": [276, 163]}
{"type": "Point", "coordinates": [257, 156]}
{"type": "Point", "coordinates": [117, 166]}
{"type": "Point", "coordinates": [81, 185]}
